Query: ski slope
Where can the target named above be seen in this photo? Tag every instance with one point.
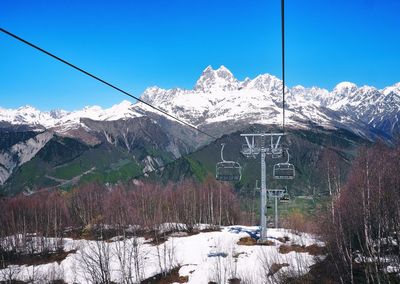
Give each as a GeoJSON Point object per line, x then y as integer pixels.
{"type": "Point", "coordinates": [207, 256]}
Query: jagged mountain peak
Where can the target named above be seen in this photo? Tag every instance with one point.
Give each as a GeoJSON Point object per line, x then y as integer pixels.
{"type": "Point", "coordinates": [345, 88]}
{"type": "Point", "coordinates": [394, 89]}
{"type": "Point", "coordinates": [92, 108]}
{"type": "Point", "coordinates": [27, 108]}
{"type": "Point", "coordinates": [366, 88]}
{"type": "Point", "coordinates": [298, 88]}
{"type": "Point", "coordinates": [219, 79]}
{"type": "Point", "coordinates": [222, 70]}
{"type": "Point", "coordinates": [123, 104]}
{"type": "Point", "coordinates": [219, 97]}
{"type": "Point", "coordinates": [313, 94]}
{"type": "Point", "coordinates": [265, 83]}
{"type": "Point", "coordinates": [156, 95]}
{"type": "Point", "coordinates": [58, 113]}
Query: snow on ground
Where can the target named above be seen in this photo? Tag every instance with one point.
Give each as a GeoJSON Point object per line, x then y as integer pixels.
{"type": "Point", "coordinates": [207, 256]}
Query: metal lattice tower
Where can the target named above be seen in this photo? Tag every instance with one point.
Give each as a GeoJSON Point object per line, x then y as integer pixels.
{"type": "Point", "coordinates": [276, 194]}
{"type": "Point", "coordinates": [256, 144]}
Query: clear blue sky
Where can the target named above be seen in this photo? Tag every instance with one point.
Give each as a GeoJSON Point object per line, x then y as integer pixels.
{"type": "Point", "coordinates": [136, 44]}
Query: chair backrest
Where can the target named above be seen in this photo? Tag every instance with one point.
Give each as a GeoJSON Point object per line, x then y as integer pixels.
{"type": "Point", "coordinates": [227, 170]}
{"type": "Point", "coordinates": [284, 171]}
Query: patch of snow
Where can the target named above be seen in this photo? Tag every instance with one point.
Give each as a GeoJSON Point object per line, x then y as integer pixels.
{"type": "Point", "coordinates": [210, 256]}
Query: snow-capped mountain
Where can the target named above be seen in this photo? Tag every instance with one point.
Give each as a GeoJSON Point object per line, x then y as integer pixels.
{"type": "Point", "coordinates": [96, 141]}
{"type": "Point", "coordinates": [214, 80]}
{"type": "Point", "coordinates": [63, 120]}
{"type": "Point", "coordinates": [219, 97]}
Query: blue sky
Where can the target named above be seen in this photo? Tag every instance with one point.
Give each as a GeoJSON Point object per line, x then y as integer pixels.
{"type": "Point", "coordinates": [136, 44]}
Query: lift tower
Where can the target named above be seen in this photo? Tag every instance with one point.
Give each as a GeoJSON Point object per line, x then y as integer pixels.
{"type": "Point", "coordinates": [256, 143]}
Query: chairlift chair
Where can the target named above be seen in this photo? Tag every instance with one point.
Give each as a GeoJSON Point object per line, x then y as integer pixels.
{"type": "Point", "coordinates": [250, 149]}
{"type": "Point", "coordinates": [276, 149]}
{"type": "Point", "coordinates": [285, 198]}
{"type": "Point", "coordinates": [284, 170]}
{"type": "Point", "coordinates": [276, 153]}
{"type": "Point", "coordinates": [250, 152]}
{"type": "Point", "coordinates": [227, 170]}
{"type": "Point", "coordinates": [246, 151]}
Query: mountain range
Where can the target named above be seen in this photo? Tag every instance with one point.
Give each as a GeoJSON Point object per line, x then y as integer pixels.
{"type": "Point", "coordinates": [145, 139]}
{"type": "Point", "coordinates": [219, 97]}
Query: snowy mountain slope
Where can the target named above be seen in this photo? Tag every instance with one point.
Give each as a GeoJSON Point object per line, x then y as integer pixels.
{"type": "Point", "coordinates": [63, 120]}
{"type": "Point", "coordinates": [379, 109]}
{"type": "Point", "coordinates": [219, 97]}
{"type": "Point", "coordinates": [214, 80]}
{"type": "Point", "coordinates": [207, 256]}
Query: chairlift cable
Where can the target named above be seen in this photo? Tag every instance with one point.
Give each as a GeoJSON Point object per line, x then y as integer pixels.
{"type": "Point", "coordinates": [103, 81]}
{"type": "Point", "coordinates": [283, 62]}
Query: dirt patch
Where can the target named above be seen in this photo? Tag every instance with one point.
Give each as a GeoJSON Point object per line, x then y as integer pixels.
{"type": "Point", "coordinates": [266, 243]}
{"type": "Point", "coordinates": [168, 278]}
{"type": "Point", "coordinates": [316, 250]}
{"type": "Point", "coordinates": [38, 259]}
{"type": "Point", "coordinates": [249, 241]}
{"type": "Point", "coordinates": [284, 249]}
{"type": "Point", "coordinates": [284, 240]}
{"type": "Point", "coordinates": [155, 238]}
{"type": "Point", "coordinates": [312, 249]}
{"type": "Point", "coordinates": [92, 233]}
{"type": "Point", "coordinates": [96, 232]}
{"type": "Point", "coordinates": [275, 267]}
{"type": "Point", "coordinates": [210, 229]}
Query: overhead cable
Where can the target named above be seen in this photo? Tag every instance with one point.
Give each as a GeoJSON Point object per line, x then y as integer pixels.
{"type": "Point", "coordinates": [283, 62]}
{"type": "Point", "coordinates": [104, 82]}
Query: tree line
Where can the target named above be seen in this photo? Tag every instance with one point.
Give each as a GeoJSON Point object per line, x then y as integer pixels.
{"type": "Point", "coordinates": [36, 224]}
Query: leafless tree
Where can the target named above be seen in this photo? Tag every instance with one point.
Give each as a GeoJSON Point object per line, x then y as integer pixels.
{"type": "Point", "coordinates": [130, 255]}
{"type": "Point", "coordinates": [365, 216]}
{"type": "Point", "coordinates": [94, 262]}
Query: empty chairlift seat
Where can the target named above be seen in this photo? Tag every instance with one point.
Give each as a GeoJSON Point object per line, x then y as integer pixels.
{"type": "Point", "coordinates": [285, 198]}
{"type": "Point", "coordinates": [284, 170]}
{"type": "Point", "coordinates": [250, 152]}
{"type": "Point", "coordinates": [246, 151]}
{"type": "Point", "coordinates": [227, 170]}
{"type": "Point", "coordinates": [276, 153]}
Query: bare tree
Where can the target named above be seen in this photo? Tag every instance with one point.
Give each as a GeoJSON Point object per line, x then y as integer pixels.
{"type": "Point", "coordinates": [365, 216]}
{"type": "Point", "coordinates": [130, 256]}
{"type": "Point", "coordinates": [94, 261]}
